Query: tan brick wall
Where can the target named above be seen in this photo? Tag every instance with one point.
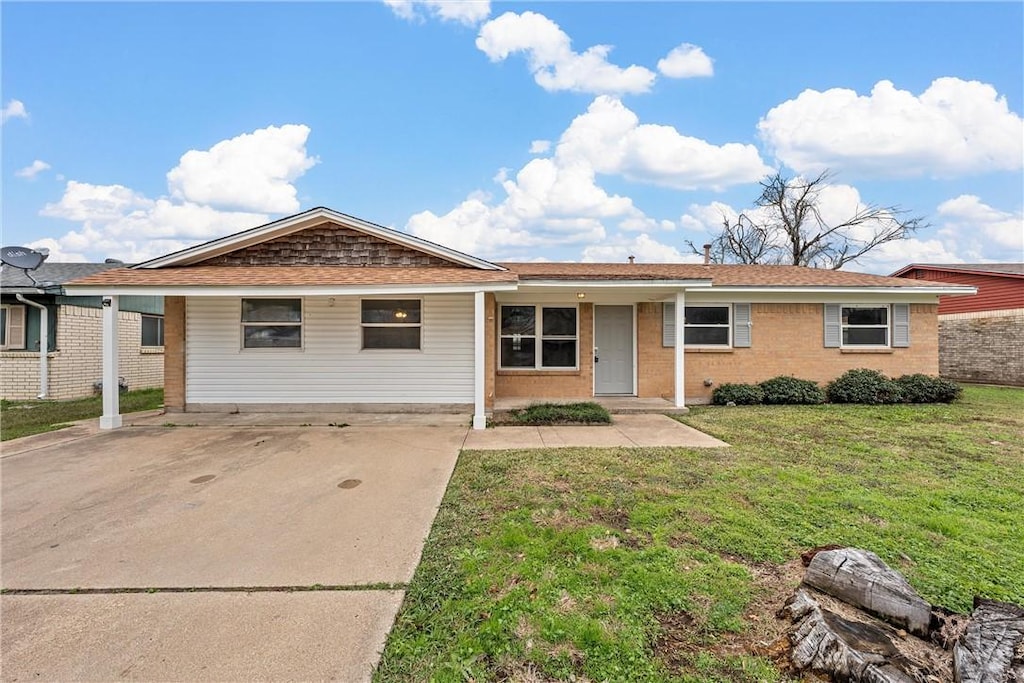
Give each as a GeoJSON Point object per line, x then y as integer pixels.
{"type": "Point", "coordinates": [78, 362]}
{"type": "Point", "coordinates": [553, 383]}
{"type": "Point", "coordinates": [787, 339]}
{"type": "Point", "coordinates": [985, 346]}
{"type": "Point", "coordinates": [174, 353]}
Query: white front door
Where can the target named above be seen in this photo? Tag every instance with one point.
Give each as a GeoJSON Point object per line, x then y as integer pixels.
{"type": "Point", "coordinates": [613, 350]}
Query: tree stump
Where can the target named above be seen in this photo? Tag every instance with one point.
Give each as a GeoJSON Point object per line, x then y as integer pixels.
{"type": "Point", "coordinates": [860, 578]}
{"type": "Point", "coordinates": [989, 651]}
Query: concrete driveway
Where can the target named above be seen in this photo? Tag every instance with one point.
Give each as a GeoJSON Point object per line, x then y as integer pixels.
{"type": "Point", "coordinates": [106, 536]}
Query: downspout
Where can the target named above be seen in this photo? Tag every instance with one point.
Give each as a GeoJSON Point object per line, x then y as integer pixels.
{"type": "Point", "coordinates": [44, 343]}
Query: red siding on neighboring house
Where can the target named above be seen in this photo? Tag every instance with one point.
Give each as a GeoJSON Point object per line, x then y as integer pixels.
{"type": "Point", "coordinates": [997, 291]}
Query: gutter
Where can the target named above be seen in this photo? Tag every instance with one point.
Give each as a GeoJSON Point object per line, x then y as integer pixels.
{"type": "Point", "coordinates": [44, 343]}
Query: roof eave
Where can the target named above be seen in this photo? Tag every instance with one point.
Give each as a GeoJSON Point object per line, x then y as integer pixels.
{"type": "Point", "coordinates": [287, 290]}
{"type": "Point", "coordinates": [945, 290]}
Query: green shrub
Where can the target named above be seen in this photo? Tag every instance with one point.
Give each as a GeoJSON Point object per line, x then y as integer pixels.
{"type": "Point", "coordinates": [863, 386]}
{"type": "Point", "coordinates": [920, 388]}
{"type": "Point", "coordinates": [786, 390]}
{"type": "Point", "coordinates": [740, 394]}
{"type": "Point", "coordinates": [560, 413]}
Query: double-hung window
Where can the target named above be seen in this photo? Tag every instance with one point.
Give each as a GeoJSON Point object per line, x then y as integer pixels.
{"type": "Point", "coordinates": [271, 323]}
{"type": "Point", "coordinates": [152, 330]}
{"type": "Point", "coordinates": [706, 326]}
{"type": "Point", "coordinates": [392, 323]}
{"type": "Point", "coordinates": [865, 325]}
{"type": "Point", "coordinates": [539, 337]}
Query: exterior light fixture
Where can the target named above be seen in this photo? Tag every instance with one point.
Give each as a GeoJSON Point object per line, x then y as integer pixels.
{"type": "Point", "coordinates": [581, 295]}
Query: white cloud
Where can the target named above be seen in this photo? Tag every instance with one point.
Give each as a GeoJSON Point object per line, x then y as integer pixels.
{"type": "Point", "coordinates": [468, 12]}
{"type": "Point", "coordinates": [554, 64]}
{"type": "Point", "coordinates": [116, 221]}
{"type": "Point", "coordinates": [540, 146]}
{"type": "Point", "coordinates": [986, 233]}
{"type": "Point", "coordinates": [57, 253]}
{"type": "Point", "coordinates": [954, 127]}
{"type": "Point", "coordinates": [610, 137]}
{"type": "Point", "coordinates": [15, 109]}
{"type": "Point", "coordinates": [32, 170]}
{"type": "Point", "coordinates": [643, 247]}
{"type": "Point", "coordinates": [686, 61]}
{"type": "Point", "coordinates": [251, 172]}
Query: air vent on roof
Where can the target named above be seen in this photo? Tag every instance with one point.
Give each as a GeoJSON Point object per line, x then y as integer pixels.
{"type": "Point", "coordinates": [113, 260]}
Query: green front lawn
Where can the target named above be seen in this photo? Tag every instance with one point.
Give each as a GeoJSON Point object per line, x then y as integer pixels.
{"type": "Point", "coordinates": [668, 564]}
{"type": "Point", "coordinates": [21, 418]}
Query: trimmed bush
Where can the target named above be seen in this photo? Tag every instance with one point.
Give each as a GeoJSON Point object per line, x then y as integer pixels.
{"type": "Point", "coordinates": [785, 390]}
{"type": "Point", "coordinates": [740, 394]}
{"type": "Point", "coordinates": [920, 388]}
{"type": "Point", "coordinates": [863, 386]}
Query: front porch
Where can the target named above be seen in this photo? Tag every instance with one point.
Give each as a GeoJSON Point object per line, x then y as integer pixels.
{"type": "Point", "coordinates": [617, 405]}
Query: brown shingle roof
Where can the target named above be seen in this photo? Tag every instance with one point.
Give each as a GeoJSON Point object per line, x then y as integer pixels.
{"type": "Point", "coordinates": [287, 276]}
{"type": "Point", "coordinates": [720, 275]}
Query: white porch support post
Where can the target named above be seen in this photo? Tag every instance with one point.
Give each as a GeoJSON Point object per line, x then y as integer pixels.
{"type": "Point", "coordinates": [111, 418]}
{"type": "Point", "coordinates": [479, 364]}
{"type": "Point", "coordinates": [680, 350]}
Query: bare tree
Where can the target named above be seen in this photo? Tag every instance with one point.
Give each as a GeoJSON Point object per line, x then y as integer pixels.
{"type": "Point", "coordinates": [791, 229]}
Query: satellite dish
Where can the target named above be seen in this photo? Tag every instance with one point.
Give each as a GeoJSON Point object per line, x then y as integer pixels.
{"type": "Point", "coordinates": [22, 257]}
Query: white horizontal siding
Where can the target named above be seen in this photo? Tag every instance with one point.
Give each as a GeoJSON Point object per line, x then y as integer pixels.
{"type": "Point", "coordinates": [331, 367]}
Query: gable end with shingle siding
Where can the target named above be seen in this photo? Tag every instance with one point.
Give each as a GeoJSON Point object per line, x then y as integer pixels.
{"type": "Point", "coordinates": [328, 244]}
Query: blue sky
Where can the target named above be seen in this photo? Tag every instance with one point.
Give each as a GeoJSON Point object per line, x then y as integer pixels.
{"type": "Point", "coordinates": [505, 129]}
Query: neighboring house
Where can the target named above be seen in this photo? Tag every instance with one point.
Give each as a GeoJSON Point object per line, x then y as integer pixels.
{"type": "Point", "coordinates": [72, 364]}
{"type": "Point", "coordinates": [981, 338]}
{"type": "Point", "coordinates": [323, 310]}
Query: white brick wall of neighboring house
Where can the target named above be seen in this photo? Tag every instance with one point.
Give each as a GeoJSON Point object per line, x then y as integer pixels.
{"type": "Point", "coordinates": [77, 364]}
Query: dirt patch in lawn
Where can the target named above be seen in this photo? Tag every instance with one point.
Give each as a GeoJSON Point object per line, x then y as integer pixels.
{"type": "Point", "coordinates": [683, 637]}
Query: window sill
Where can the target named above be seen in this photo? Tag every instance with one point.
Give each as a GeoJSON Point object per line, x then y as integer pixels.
{"type": "Point", "coordinates": [707, 349]}
{"type": "Point", "coordinates": [848, 349]}
{"type": "Point", "coordinates": [531, 372]}
{"type": "Point", "coordinates": [151, 349]}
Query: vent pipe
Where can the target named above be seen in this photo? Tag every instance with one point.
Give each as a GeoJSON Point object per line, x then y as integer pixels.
{"type": "Point", "coordinates": [632, 259]}
{"type": "Point", "coordinates": [707, 254]}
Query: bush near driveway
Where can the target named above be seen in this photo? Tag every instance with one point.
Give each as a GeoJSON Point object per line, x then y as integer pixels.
{"type": "Point", "coordinates": [657, 564]}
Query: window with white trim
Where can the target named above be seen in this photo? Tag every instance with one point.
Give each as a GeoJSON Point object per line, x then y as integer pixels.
{"type": "Point", "coordinates": [392, 323]}
{"type": "Point", "coordinates": [271, 323]}
{"type": "Point", "coordinates": [12, 327]}
{"type": "Point", "coordinates": [152, 331]}
{"type": "Point", "coordinates": [865, 325]}
{"type": "Point", "coordinates": [707, 326]}
{"type": "Point", "coordinates": [539, 337]}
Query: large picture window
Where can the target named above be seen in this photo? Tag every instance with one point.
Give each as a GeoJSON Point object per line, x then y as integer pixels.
{"type": "Point", "coordinates": [539, 337]}
{"type": "Point", "coordinates": [152, 330]}
{"type": "Point", "coordinates": [706, 326]}
{"type": "Point", "coordinates": [865, 325]}
{"type": "Point", "coordinates": [271, 323]}
{"type": "Point", "coordinates": [392, 323]}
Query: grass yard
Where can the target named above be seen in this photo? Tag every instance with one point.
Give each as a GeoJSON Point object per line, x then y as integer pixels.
{"type": "Point", "coordinates": [22, 418]}
{"type": "Point", "coordinates": [668, 565]}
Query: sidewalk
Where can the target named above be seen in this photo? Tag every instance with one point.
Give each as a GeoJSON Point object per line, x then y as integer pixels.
{"type": "Point", "coordinates": [631, 431]}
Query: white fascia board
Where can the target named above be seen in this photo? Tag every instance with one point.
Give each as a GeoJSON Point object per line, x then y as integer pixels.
{"type": "Point", "coordinates": [614, 284]}
{"type": "Point", "coordinates": [307, 219]}
{"type": "Point", "coordinates": [329, 290]}
{"type": "Point", "coordinates": [946, 290]}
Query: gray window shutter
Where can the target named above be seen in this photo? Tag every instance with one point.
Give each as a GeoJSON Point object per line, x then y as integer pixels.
{"type": "Point", "coordinates": [833, 326]}
{"type": "Point", "coordinates": [16, 327]}
{"type": "Point", "coordinates": [668, 325]}
{"type": "Point", "coordinates": [741, 325]}
{"type": "Point", "coordinates": [901, 325]}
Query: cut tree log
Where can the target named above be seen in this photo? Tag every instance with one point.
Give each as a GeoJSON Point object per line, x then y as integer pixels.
{"type": "Point", "coordinates": [860, 578]}
{"type": "Point", "coordinates": [989, 650]}
{"type": "Point", "coordinates": [845, 650]}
